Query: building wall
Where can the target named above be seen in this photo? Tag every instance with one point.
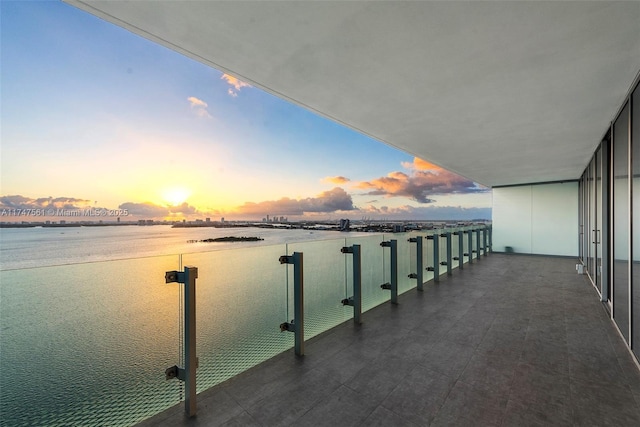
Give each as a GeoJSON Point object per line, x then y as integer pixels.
{"type": "Point", "coordinates": [536, 219]}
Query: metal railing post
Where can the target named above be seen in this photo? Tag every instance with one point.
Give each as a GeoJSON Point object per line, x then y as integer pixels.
{"type": "Point", "coordinates": [447, 235]}
{"type": "Point", "coordinates": [393, 286]}
{"type": "Point", "coordinates": [190, 361]}
{"type": "Point", "coordinates": [478, 244]}
{"type": "Point", "coordinates": [436, 256]}
{"type": "Point", "coordinates": [485, 240]}
{"type": "Point", "coordinates": [460, 257]}
{"type": "Point", "coordinates": [356, 300]}
{"type": "Point", "coordinates": [297, 324]}
{"type": "Point", "coordinates": [419, 270]}
{"type": "Point", "coordinates": [188, 373]}
{"type": "Point", "coordinates": [490, 238]}
{"type": "Point", "coordinates": [470, 245]}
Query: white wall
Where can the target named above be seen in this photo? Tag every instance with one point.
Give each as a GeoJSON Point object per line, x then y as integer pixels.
{"type": "Point", "coordinates": [536, 219]}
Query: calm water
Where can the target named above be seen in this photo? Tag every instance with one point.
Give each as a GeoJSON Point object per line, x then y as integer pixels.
{"type": "Point", "coordinates": [88, 326]}
{"type": "Point", "coordinates": [40, 247]}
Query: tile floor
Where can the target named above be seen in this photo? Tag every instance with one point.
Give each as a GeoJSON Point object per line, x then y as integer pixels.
{"type": "Point", "coordinates": [511, 340]}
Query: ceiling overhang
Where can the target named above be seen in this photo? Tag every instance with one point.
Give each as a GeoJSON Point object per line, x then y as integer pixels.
{"type": "Point", "coordinates": [500, 92]}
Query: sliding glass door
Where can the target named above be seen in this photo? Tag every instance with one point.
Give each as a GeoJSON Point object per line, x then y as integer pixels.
{"type": "Point", "coordinates": [621, 222]}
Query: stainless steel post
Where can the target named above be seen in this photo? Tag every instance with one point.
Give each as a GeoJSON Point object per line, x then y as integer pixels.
{"type": "Point", "coordinates": [393, 286]}
{"type": "Point", "coordinates": [447, 235]}
{"type": "Point", "coordinates": [191, 363]}
{"type": "Point", "coordinates": [436, 256]}
{"type": "Point", "coordinates": [419, 264]}
{"type": "Point", "coordinates": [297, 326]}
{"type": "Point", "coordinates": [356, 300]}
{"type": "Point", "coordinates": [460, 235]}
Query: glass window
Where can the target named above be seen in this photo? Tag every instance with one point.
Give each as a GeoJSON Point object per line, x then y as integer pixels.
{"type": "Point", "coordinates": [635, 225]}
{"type": "Point", "coordinates": [621, 222]}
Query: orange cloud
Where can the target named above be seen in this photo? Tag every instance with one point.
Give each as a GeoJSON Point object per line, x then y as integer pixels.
{"type": "Point", "coordinates": [421, 165]}
{"type": "Point", "coordinates": [423, 181]}
{"type": "Point", "coordinates": [406, 212]}
{"type": "Point", "coordinates": [235, 83]}
{"type": "Point", "coordinates": [336, 179]}
{"type": "Point", "coordinates": [326, 202]}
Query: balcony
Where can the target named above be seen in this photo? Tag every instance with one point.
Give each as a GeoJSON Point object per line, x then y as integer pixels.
{"type": "Point", "coordinates": [507, 340]}
{"type": "Point", "coordinates": [511, 340]}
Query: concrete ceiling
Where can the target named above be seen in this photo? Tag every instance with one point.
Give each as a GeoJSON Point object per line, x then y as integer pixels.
{"type": "Point", "coordinates": [500, 92]}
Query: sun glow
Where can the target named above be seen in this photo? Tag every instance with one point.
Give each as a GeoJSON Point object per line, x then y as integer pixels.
{"type": "Point", "coordinates": [176, 195]}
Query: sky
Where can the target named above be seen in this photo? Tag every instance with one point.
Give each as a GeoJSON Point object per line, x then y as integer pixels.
{"type": "Point", "coordinates": [95, 117]}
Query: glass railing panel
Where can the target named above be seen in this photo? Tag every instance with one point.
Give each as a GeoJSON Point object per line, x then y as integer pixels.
{"type": "Point", "coordinates": [324, 285]}
{"type": "Point", "coordinates": [374, 267]}
{"type": "Point", "coordinates": [241, 301]}
{"type": "Point", "coordinates": [87, 344]}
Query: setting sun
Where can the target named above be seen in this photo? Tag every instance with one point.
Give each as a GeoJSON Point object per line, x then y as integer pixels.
{"type": "Point", "coordinates": [176, 195]}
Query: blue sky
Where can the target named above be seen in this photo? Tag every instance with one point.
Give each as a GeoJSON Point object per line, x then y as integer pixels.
{"type": "Point", "coordinates": [93, 115]}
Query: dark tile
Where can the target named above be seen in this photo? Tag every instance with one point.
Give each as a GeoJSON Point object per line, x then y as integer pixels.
{"type": "Point", "coordinates": [536, 413]}
{"type": "Point", "coordinates": [534, 384]}
{"type": "Point", "coordinates": [596, 368]}
{"type": "Point", "coordinates": [344, 407]}
{"type": "Point", "coordinates": [346, 364]}
{"type": "Point", "coordinates": [453, 420]}
{"type": "Point", "coordinates": [550, 356]}
{"type": "Point", "coordinates": [471, 334]}
{"type": "Point", "coordinates": [491, 372]}
{"type": "Point", "coordinates": [241, 420]}
{"type": "Point", "coordinates": [448, 358]}
{"type": "Point", "coordinates": [380, 377]}
{"type": "Point", "coordinates": [285, 405]}
{"type": "Point", "coordinates": [263, 382]}
{"type": "Point", "coordinates": [413, 349]}
{"type": "Point", "coordinates": [506, 343]}
{"type": "Point", "coordinates": [603, 405]}
{"type": "Point", "coordinates": [382, 417]}
{"type": "Point", "coordinates": [483, 407]}
{"type": "Point", "coordinates": [419, 396]}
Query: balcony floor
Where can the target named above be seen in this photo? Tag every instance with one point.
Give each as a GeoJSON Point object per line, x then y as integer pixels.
{"type": "Point", "coordinates": [511, 340]}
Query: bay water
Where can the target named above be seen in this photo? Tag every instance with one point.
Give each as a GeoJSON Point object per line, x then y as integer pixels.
{"type": "Point", "coordinates": [88, 326]}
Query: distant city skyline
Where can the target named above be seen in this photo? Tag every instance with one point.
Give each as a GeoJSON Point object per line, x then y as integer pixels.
{"type": "Point", "coordinates": [96, 117]}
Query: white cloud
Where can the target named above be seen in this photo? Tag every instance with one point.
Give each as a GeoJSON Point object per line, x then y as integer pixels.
{"type": "Point", "coordinates": [199, 107]}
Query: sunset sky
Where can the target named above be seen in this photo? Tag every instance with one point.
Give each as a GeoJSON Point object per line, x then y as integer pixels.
{"type": "Point", "coordinates": [94, 116]}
